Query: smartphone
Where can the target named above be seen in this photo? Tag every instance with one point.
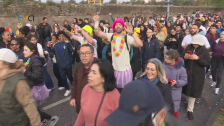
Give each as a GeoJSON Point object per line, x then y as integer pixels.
{"type": "Point", "coordinates": [189, 52]}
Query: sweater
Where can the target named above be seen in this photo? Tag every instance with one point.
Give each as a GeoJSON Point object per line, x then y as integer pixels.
{"type": "Point", "coordinates": [90, 102]}
{"type": "Point", "coordinates": [23, 95]}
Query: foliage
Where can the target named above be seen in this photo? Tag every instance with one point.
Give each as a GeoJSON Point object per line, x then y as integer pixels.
{"type": "Point", "coordinates": [113, 2]}
{"type": "Point", "coordinates": [71, 1]}
{"type": "Point", "coordinates": [183, 2]}
{"type": "Point", "coordinates": [62, 2]}
{"type": "Point", "coordinates": [83, 2]}
{"type": "Point", "coordinates": [51, 3]}
{"type": "Point", "coordinates": [8, 2]}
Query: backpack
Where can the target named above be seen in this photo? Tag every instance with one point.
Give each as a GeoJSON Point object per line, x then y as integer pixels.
{"type": "Point", "coordinates": [131, 47]}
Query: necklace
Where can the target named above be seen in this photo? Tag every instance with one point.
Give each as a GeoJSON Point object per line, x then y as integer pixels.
{"type": "Point", "coordinates": [27, 63]}
{"type": "Point", "coordinates": [115, 52]}
{"type": "Point", "coordinates": [84, 42]}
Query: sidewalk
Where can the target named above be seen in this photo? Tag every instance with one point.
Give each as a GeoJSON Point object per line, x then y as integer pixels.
{"type": "Point", "coordinates": [206, 108]}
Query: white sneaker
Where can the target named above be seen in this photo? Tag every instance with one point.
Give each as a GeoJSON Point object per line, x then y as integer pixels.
{"type": "Point", "coordinates": [213, 84]}
{"type": "Point", "coordinates": [210, 76]}
{"type": "Point", "coordinates": [67, 93]}
{"type": "Point", "coordinates": [50, 89]}
{"type": "Point", "coordinates": [61, 88]}
{"type": "Point", "coordinates": [216, 91]}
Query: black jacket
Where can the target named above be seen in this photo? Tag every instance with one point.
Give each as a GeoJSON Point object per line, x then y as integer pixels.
{"type": "Point", "coordinates": [34, 72]}
{"type": "Point", "coordinates": [150, 49]}
{"type": "Point", "coordinates": [172, 44]}
{"type": "Point", "coordinates": [165, 90]}
{"type": "Point", "coordinates": [40, 36]}
{"type": "Point", "coordinates": [46, 30]}
{"type": "Point", "coordinates": [68, 27]}
{"type": "Point", "coordinates": [167, 95]}
{"type": "Point", "coordinates": [180, 37]}
{"type": "Point", "coordinates": [135, 61]}
{"type": "Point", "coordinates": [196, 71]}
{"type": "Point", "coordinates": [211, 38]}
{"type": "Point", "coordinates": [2, 45]}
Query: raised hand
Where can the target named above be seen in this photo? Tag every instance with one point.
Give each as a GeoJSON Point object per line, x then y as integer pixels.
{"type": "Point", "coordinates": [128, 28]}
{"type": "Point", "coordinates": [96, 18]}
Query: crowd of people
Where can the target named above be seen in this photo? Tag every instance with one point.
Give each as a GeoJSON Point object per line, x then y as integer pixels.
{"type": "Point", "coordinates": [172, 53]}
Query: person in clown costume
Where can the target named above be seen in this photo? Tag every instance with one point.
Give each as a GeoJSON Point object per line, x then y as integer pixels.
{"type": "Point", "coordinates": [120, 51]}
{"type": "Point", "coordinates": [87, 33]}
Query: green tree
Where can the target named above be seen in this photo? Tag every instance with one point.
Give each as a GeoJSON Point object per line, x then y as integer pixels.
{"type": "Point", "coordinates": [83, 2]}
{"type": "Point", "coordinates": [71, 1]}
{"type": "Point", "coordinates": [62, 2]}
{"type": "Point", "coordinates": [113, 1]}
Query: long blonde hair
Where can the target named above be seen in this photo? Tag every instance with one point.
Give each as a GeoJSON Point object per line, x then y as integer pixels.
{"type": "Point", "coordinates": [159, 68]}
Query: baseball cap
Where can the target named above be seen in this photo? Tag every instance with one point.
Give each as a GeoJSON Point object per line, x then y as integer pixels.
{"type": "Point", "coordinates": [138, 99]}
{"type": "Point", "coordinates": [197, 39]}
{"type": "Point", "coordinates": [7, 55]}
{"type": "Point", "coordinates": [28, 24]}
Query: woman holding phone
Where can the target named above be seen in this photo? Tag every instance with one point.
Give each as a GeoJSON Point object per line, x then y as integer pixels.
{"type": "Point", "coordinates": [196, 59]}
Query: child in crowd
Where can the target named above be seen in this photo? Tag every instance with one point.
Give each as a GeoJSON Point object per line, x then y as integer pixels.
{"type": "Point", "coordinates": [177, 75]}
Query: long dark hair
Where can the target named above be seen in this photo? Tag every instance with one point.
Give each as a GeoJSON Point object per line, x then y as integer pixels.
{"type": "Point", "coordinates": [143, 33]}
{"type": "Point", "coordinates": [107, 72]}
{"type": "Point", "coordinates": [32, 47]}
{"type": "Point", "coordinates": [200, 50]}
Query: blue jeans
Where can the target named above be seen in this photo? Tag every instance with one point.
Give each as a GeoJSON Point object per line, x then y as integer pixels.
{"type": "Point", "coordinates": [63, 73]}
{"type": "Point", "coordinates": [48, 81]}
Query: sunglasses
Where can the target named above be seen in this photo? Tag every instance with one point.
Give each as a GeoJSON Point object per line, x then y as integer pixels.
{"type": "Point", "coordinates": [13, 44]}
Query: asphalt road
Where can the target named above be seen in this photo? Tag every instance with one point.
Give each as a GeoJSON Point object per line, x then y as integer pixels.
{"type": "Point", "coordinates": [58, 105]}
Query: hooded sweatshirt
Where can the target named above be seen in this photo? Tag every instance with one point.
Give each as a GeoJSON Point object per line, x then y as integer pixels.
{"type": "Point", "coordinates": [23, 94]}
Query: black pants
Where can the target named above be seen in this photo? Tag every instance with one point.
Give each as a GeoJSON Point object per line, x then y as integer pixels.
{"type": "Point", "coordinates": [161, 54]}
{"type": "Point", "coordinates": [66, 72]}
{"type": "Point", "coordinates": [217, 67]}
{"type": "Point", "coordinates": [44, 115]}
{"type": "Point", "coordinates": [57, 74]}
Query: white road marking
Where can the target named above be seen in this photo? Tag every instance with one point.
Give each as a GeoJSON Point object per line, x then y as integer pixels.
{"type": "Point", "coordinates": [56, 103]}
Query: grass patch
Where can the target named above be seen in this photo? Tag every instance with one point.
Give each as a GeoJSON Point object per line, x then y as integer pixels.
{"type": "Point", "coordinates": [219, 120]}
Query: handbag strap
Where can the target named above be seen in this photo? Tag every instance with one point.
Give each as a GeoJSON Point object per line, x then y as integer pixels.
{"type": "Point", "coordinates": [99, 108]}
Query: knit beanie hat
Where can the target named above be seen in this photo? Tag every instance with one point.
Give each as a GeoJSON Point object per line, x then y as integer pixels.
{"type": "Point", "coordinates": [118, 20]}
{"type": "Point", "coordinates": [88, 29]}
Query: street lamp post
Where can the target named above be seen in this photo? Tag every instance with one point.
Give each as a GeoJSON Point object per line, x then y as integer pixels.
{"type": "Point", "coordinates": [168, 9]}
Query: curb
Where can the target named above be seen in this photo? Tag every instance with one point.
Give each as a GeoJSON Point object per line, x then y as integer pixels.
{"type": "Point", "coordinates": [216, 112]}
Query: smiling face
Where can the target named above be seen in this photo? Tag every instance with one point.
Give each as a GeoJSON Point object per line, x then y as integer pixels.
{"type": "Point", "coordinates": [94, 77]}
{"type": "Point", "coordinates": [119, 27]}
{"type": "Point", "coordinates": [14, 45]}
{"type": "Point", "coordinates": [151, 71]}
{"type": "Point", "coordinates": [33, 40]}
{"type": "Point", "coordinates": [6, 36]}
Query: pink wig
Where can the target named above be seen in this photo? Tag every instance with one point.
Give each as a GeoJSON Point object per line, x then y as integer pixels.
{"type": "Point", "coordinates": [118, 20]}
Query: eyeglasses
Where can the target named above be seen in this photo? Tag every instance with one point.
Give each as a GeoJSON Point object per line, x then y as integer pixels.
{"type": "Point", "coordinates": [13, 44]}
{"type": "Point", "coordinates": [85, 54]}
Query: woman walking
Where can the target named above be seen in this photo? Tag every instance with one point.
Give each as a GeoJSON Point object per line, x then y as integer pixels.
{"type": "Point", "coordinates": [34, 73]}
{"type": "Point", "coordinates": [99, 97]}
{"type": "Point", "coordinates": [196, 59]}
